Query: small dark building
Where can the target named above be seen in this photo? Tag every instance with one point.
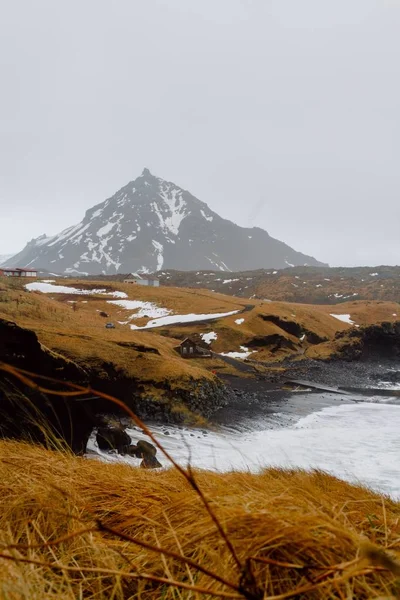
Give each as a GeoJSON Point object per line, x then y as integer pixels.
{"type": "Point", "coordinates": [191, 349]}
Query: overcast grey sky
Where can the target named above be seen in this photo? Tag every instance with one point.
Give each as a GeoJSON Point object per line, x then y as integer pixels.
{"type": "Point", "coordinates": [283, 114]}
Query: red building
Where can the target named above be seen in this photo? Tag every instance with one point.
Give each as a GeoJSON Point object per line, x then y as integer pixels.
{"type": "Point", "coordinates": [17, 272]}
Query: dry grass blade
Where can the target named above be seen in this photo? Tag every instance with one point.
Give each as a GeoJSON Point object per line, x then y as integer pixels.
{"type": "Point", "coordinates": [25, 377]}
{"type": "Point", "coordinates": [124, 574]}
{"type": "Point", "coordinates": [175, 555]}
{"type": "Point", "coordinates": [72, 528]}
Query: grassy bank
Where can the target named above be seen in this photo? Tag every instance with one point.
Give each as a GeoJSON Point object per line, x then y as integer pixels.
{"type": "Point", "coordinates": [72, 527]}
{"type": "Point", "coordinates": [72, 326]}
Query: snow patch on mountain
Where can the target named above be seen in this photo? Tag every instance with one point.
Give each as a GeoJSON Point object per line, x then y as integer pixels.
{"type": "Point", "coordinates": [159, 248]}
{"type": "Point", "coordinates": [176, 208]}
{"type": "Point", "coordinates": [207, 218]}
{"type": "Point", "coordinates": [104, 230]}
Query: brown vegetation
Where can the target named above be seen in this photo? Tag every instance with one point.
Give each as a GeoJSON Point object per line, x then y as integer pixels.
{"type": "Point", "coordinates": [77, 528]}
{"type": "Point", "coordinates": [72, 326]}
{"type": "Point", "coordinates": [306, 285]}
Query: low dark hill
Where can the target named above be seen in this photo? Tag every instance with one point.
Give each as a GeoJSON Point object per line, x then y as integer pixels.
{"type": "Point", "coordinates": [307, 285]}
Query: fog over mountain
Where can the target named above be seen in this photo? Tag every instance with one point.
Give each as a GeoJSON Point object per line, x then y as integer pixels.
{"type": "Point", "coordinates": [4, 258]}
{"type": "Point", "coordinates": [151, 224]}
{"type": "Point", "coordinates": [281, 114]}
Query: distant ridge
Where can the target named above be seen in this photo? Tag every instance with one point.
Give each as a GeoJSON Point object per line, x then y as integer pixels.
{"type": "Point", "coordinates": [151, 224]}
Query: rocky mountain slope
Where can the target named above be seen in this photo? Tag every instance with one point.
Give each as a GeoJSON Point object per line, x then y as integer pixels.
{"type": "Point", "coordinates": [151, 224]}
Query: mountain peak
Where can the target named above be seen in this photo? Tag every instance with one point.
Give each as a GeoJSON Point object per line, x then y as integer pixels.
{"type": "Point", "coordinates": [151, 224]}
{"type": "Point", "coordinates": [146, 173]}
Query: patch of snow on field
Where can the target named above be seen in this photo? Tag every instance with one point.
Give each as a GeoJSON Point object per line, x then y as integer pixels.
{"type": "Point", "coordinates": [239, 321]}
{"type": "Point", "coordinates": [49, 288]}
{"type": "Point", "coordinates": [344, 318]}
{"type": "Point", "coordinates": [174, 319]}
{"type": "Point", "coordinates": [208, 337]}
{"type": "Point", "coordinates": [145, 309]}
{"type": "Point", "coordinates": [245, 352]}
{"type": "Point", "coordinates": [117, 294]}
{"type": "Point", "coordinates": [374, 274]}
{"type": "Point", "coordinates": [229, 280]}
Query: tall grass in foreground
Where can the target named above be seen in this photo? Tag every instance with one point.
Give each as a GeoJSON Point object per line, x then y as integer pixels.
{"type": "Point", "coordinates": [71, 528]}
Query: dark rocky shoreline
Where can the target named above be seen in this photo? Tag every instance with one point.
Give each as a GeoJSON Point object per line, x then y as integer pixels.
{"type": "Point", "coordinates": [252, 398]}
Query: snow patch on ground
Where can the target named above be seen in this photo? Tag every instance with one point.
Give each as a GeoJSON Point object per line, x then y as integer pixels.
{"type": "Point", "coordinates": [49, 288]}
{"type": "Point", "coordinates": [344, 318]}
{"type": "Point", "coordinates": [173, 319]}
{"type": "Point", "coordinates": [239, 321]}
{"type": "Point", "coordinates": [208, 337]}
{"type": "Point", "coordinates": [144, 309]}
{"type": "Point", "coordinates": [245, 352]}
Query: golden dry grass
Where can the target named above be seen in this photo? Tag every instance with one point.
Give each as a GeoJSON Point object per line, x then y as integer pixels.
{"type": "Point", "coordinates": [322, 287]}
{"type": "Point", "coordinates": [306, 533]}
{"type": "Point", "coordinates": [81, 336]}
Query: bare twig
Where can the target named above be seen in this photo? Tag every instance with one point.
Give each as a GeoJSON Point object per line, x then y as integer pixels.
{"type": "Point", "coordinates": [123, 574]}
{"type": "Point", "coordinates": [26, 378]}
{"type": "Point", "coordinates": [170, 553]}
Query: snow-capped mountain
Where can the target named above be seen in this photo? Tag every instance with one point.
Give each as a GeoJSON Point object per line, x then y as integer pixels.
{"type": "Point", "coordinates": [152, 224]}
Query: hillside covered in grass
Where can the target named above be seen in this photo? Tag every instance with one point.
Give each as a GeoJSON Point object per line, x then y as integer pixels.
{"type": "Point", "coordinates": [57, 331]}
{"type": "Point", "coordinates": [77, 528]}
{"type": "Point", "coordinates": [309, 285]}
{"type": "Point", "coordinates": [69, 317]}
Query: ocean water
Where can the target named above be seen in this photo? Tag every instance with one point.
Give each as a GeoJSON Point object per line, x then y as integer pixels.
{"type": "Point", "coordinates": [356, 441]}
